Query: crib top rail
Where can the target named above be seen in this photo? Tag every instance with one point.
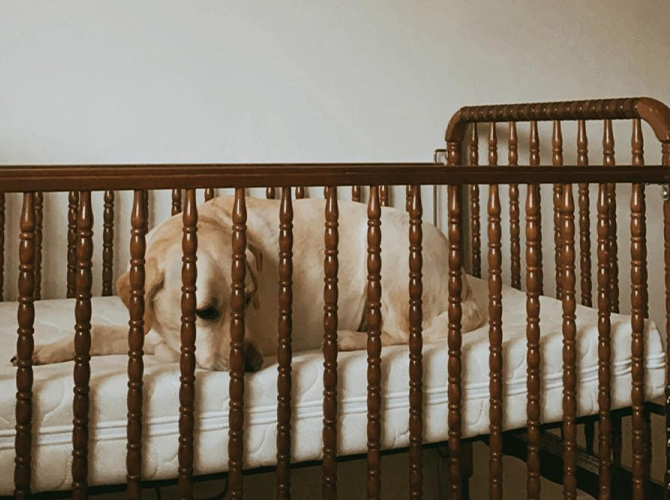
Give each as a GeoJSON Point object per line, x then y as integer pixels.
{"type": "Point", "coordinates": [196, 176]}
{"type": "Point", "coordinates": [652, 111]}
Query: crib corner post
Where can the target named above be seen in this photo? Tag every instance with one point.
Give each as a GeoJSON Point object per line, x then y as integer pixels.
{"type": "Point", "coordinates": [666, 232]}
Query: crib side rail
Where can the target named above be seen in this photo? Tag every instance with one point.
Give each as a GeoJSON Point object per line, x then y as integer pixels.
{"type": "Point", "coordinates": [84, 179]}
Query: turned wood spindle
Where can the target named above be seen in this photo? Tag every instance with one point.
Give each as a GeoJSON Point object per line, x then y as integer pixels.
{"type": "Point", "coordinates": [73, 209]}
{"type": "Point", "coordinates": [495, 345]}
{"type": "Point", "coordinates": [135, 346]}
{"type": "Point", "coordinates": [454, 338]}
{"type": "Point", "coordinates": [330, 295]}
{"type": "Point", "coordinates": [666, 255]}
{"type": "Point", "coordinates": [187, 361]}
{"type": "Point", "coordinates": [284, 352]}
{"type": "Point", "coordinates": [108, 244]}
{"type": "Point", "coordinates": [39, 222]}
{"type": "Point", "coordinates": [2, 246]}
{"type": "Point", "coordinates": [82, 346]}
{"type": "Point", "coordinates": [209, 194]}
{"type": "Point", "coordinates": [374, 345]}
{"type": "Point", "coordinates": [237, 330]}
{"type": "Point", "coordinates": [270, 193]}
{"type": "Point", "coordinates": [384, 195]}
{"type": "Point", "coordinates": [415, 345]}
{"type": "Point", "coordinates": [24, 351]}
{"type": "Point", "coordinates": [584, 217]}
{"type": "Point", "coordinates": [300, 193]}
{"type": "Point", "coordinates": [176, 201]}
{"type": "Point", "coordinates": [608, 159]}
{"type": "Point", "coordinates": [514, 212]}
{"type": "Point", "coordinates": [569, 344]}
{"type": "Point", "coordinates": [557, 161]}
{"type": "Point", "coordinates": [356, 194]}
{"type": "Point", "coordinates": [533, 355]}
{"type": "Point", "coordinates": [475, 224]}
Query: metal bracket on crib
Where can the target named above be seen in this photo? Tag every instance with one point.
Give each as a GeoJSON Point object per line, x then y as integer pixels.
{"type": "Point", "coordinates": [440, 156]}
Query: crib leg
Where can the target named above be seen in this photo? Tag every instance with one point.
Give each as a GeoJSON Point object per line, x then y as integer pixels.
{"type": "Point", "coordinates": [467, 468]}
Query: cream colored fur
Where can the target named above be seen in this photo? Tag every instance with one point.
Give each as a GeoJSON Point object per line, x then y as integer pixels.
{"type": "Point", "coordinates": [163, 285]}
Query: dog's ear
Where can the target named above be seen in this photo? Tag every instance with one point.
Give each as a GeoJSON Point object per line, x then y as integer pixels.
{"type": "Point", "coordinates": [254, 268]}
{"type": "Point", "coordinates": [154, 278]}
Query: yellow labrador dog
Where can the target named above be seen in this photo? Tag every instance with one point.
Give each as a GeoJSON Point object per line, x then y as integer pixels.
{"type": "Point", "coordinates": [163, 285]}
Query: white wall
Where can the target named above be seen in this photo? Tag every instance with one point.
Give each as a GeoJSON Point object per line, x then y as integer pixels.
{"type": "Point", "coordinates": [178, 81]}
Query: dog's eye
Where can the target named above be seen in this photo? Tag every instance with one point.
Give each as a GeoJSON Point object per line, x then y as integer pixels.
{"type": "Point", "coordinates": [208, 313]}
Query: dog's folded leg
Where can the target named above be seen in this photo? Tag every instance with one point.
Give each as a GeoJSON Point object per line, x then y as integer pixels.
{"type": "Point", "coordinates": [105, 340]}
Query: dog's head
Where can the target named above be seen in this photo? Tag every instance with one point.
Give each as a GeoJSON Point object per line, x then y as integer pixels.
{"type": "Point", "coordinates": [163, 291]}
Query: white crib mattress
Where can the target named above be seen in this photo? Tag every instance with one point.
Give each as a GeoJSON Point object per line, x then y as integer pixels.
{"type": "Point", "coordinates": [52, 407]}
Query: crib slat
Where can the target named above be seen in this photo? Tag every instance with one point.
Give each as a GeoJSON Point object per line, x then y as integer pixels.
{"type": "Point", "coordinates": [39, 222]}
{"type": "Point", "coordinates": [2, 246]}
{"type": "Point", "coordinates": [638, 306]}
{"type": "Point", "coordinates": [475, 224]}
{"type": "Point", "coordinates": [666, 238]}
{"type": "Point", "coordinates": [147, 209]}
{"type": "Point", "coordinates": [514, 214]}
{"type": "Point", "coordinates": [176, 201]}
{"type": "Point", "coordinates": [569, 344]}
{"type": "Point", "coordinates": [108, 245]}
{"type": "Point", "coordinates": [533, 359]}
{"type": "Point", "coordinates": [415, 346]}
{"type": "Point", "coordinates": [24, 350]}
{"type": "Point", "coordinates": [270, 193]}
{"type": "Point", "coordinates": [534, 161]}
{"type": "Point", "coordinates": [73, 209]}
{"type": "Point", "coordinates": [330, 295]}
{"type": "Point", "coordinates": [454, 338]}
{"type": "Point", "coordinates": [209, 194]}
{"type": "Point", "coordinates": [284, 353]}
{"type": "Point", "coordinates": [384, 195]}
{"type": "Point", "coordinates": [300, 193]}
{"type": "Point", "coordinates": [557, 160]}
{"type": "Point", "coordinates": [604, 346]}
{"type": "Point", "coordinates": [356, 194]}
{"type": "Point", "coordinates": [82, 346]}
{"type": "Point", "coordinates": [374, 347]}
{"type": "Point", "coordinates": [237, 327]}
{"type": "Point", "coordinates": [135, 345]}
{"type": "Point", "coordinates": [608, 159]}
{"type": "Point", "coordinates": [584, 217]}
{"type": "Point", "coordinates": [189, 273]}
{"type": "Point", "coordinates": [495, 345]}
{"type": "Point", "coordinates": [408, 197]}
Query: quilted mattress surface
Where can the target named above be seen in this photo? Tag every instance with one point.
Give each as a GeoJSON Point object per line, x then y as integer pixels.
{"type": "Point", "coordinates": [52, 406]}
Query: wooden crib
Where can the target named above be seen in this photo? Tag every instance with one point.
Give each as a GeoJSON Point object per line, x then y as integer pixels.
{"type": "Point", "coordinates": [569, 464]}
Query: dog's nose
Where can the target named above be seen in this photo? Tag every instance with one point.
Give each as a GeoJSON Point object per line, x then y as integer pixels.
{"type": "Point", "coordinates": [253, 359]}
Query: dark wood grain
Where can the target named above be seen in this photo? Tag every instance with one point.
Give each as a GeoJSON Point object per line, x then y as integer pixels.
{"type": "Point", "coordinates": [569, 344]}
{"type": "Point", "coordinates": [495, 345]}
{"type": "Point", "coordinates": [39, 223]}
{"type": "Point", "coordinates": [557, 161]}
{"type": "Point", "coordinates": [514, 212]}
{"type": "Point", "coordinates": [604, 347]}
{"type": "Point", "coordinates": [475, 224]}
{"type": "Point", "coordinates": [454, 337]}
{"type": "Point", "coordinates": [666, 256]}
{"type": "Point", "coordinates": [189, 274]}
{"type": "Point", "coordinates": [2, 246]}
{"type": "Point", "coordinates": [584, 218]}
{"type": "Point", "coordinates": [330, 296]}
{"type": "Point", "coordinates": [384, 195]}
{"type": "Point", "coordinates": [24, 351]}
{"type": "Point", "coordinates": [609, 161]}
{"type": "Point", "coordinates": [73, 210]}
{"type": "Point", "coordinates": [135, 347]}
{"type": "Point", "coordinates": [284, 351]}
{"type": "Point", "coordinates": [374, 345]}
{"type": "Point", "coordinates": [415, 346]}
{"type": "Point", "coordinates": [237, 330]}
{"type": "Point", "coordinates": [176, 201]}
{"type": "Point", "coordinates": [655, 113]}
{"type": "Point", "coordinates": [356, 194]}
{"type": "Point", "coordinates": [82, 347]}
{"type": "Point", "coordinates": [108, 244]}
{"type": "Point", "coordinates": [533, 353]}
{"type": "Point", "coordinates": [638, 250]}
